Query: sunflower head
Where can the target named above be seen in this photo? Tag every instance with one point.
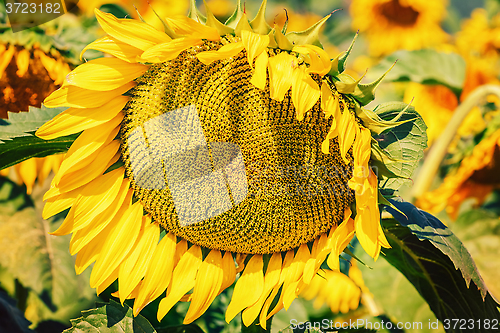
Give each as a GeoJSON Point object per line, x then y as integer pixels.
{"type": "Point", "coordinates": [399, 24]}
{"type": "Point", "coordinates": [238, 138]}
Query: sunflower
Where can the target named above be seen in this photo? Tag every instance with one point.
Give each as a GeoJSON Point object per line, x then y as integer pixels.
{"type": "Point", "coordinates": [150, 10]}
{"type": "Point", "coordinates": [339, 291]}
{"type": "Point", "coordinates": [390, 25]}
{"type": "Point", "coordinates": [31, 67]}
{"type": "Point", "coordinates": [211, 150]}
{"type": "Point", "coordinates": [479, 35]}
{"type": "Point", "coordinates": [476, 177]}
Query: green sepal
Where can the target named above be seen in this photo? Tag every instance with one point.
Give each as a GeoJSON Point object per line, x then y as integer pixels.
{"type": "Point", "coordinates": [347, 84]}
{"type": "Point", "coordinates": [213, 22]}
{"type": "Point", "coordinates": [377, 125]}
{"type": "Point", "coordinates": [234, 19]}
{"type": "Point", "coordinates": [281, 40]}
{"type": "Point", "coordinates": [349, 252]}
{"type": "Point", "coordinates": [166, 28]}
{"type": "Point", "coordinates": [194, 12]}
{"type": "Point", "coordinates": [343, 57]}
{"type": "Point", "coordinates": [140, 16]}
{"type": "Point", "coordinates": [309, 36]}
{"type": "Point", "coordinates": [272, 41]}
{"type": "Point", "coordinates": [365, 93]}
{"type": "Point", "coordinates": [382, 200]}
{"type": "Point", "coordinates": [334, 70]}
{"type": "Point", "coordinates": [259, 24]}
{"type": "Point", "coordinates": [243, 24]}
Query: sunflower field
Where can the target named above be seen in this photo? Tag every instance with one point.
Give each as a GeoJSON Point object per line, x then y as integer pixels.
{"type": "Point", "coordinates": [249, 166]}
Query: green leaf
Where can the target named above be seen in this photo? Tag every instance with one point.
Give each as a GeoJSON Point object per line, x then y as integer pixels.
{"type": "Point", "coordinates": [12, 319]}
{"type": "Point", "coordinates": [427, 227]}
{"type": "Point", "coordinates": [396, 296]}
{"type": "Point", "coordinates": [403, 144]}
{"type": "Point", "coordinates": [424, 66]}
{"type": "Point", "coordinates": [17, 139]}
{"type": "Point", "coordinates": [434, 276]}
{"type": "Point", "coordinates": [110, 318]}
{"type": "Point", "coordinates": [40, 262]}
{"type": "Point", "coordinates": [23, 148]}
{"type": "Point", "coordinates": [20, 124]}
{"type": "Point", "coordinates": [479, 230]}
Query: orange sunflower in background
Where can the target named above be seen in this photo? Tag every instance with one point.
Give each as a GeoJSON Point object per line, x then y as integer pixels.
{"type": "Point", "coordinates": [390, 25]}
{"type": "Point", "coordinates": [475, 177]}
{"type": "Point", "coordinates": [31, 67]}
{"type": "Point", "coordinates": [211, 150]}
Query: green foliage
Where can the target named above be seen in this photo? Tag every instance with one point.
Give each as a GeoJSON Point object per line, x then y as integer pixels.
{"type": "Point", "coordinates": [479, 230]}
{"type": "Point", "coordinates": [12, 320]}
{"type": "Point", "coordinates": [40, 263]}
{"type": "Point", "coordinates": [427, 227]}
{"type": "Point", "coordinates": [65, 36]}
{"type": "Point", "coordinates": [396, 296]}
{"type": "Point", "coordinates": [22, 123]}
{"type": "Point", "coordinates": [434, 276]}
{"type": "Point", "coordinates": [111, 317]}
{"type": "Point", "coordinates": [23, 148]}
{"type": "Point", "coordinates": [424, 66]}
{"type": "Point", "coordinates": [402, 146]}
{"type": "Point", "coordinates": [17, 139]}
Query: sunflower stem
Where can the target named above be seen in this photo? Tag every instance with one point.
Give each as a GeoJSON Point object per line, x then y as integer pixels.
{"type": "Point", "coordinates": [440, 147]}
{"type": "Point", "coordinates": [255, 326]}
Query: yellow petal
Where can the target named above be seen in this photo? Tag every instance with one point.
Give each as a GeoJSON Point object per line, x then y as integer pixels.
{"type": "Point", "coordinates": [118, 244]}
{"type": "Point", "coordinates": [87, 147]}
{"type": "Point", "coordinates": [89, 253]}
{"type": "Point", "coordinates": [75, 120]}
{"type": "Point", "coordinates": [259, 77]}
{"type": "Point", "coordinates": [59, 203]}
{"type": "Point", "coordinates": [329, 103]}
{"type": "Point", "coordinates": [111, 215]}
{"type": "Point", "coordinates": [229, 271]}
{"type": "Point", "coordinates": [347, 132]}
{"type": "Point", "coordinates": [22, 62]}
{"type": "Point", "coordinates": [77, 97]}
{"type": "Point", "coordinates": [6, 57]}
{"type": "Point", "coordinates": [104, 74]}
{"type": "Point", "coordinates": [113, 46]}
{"type": "Point", "coordinates": [95, 198]}
{"type": "Point", "coordinates": [208, 283]}
{"type": "Point", "coordinates": [318, 255]}
{"type": "Point", "coordinates": [248, 288]}
{"type": "Point", "coordinates": [183, 279]}
{"type": "Point", "coordinates": [105, 156]}
{"type": "Point", "coordinates": [280, 75]}
{"type": "Point", "coordinates": [26, 171]}
{"type": "Point", "coordinates": [226, 51]}
{"type": "Point", "coordinates": [169, 50]}
{"type": "Point", "coordinates": [254, 43]}
{"type": "Point", "coordinates": [185, 26]}
{"type": "Point", "coordinates": [294, 273]}
{"type": "Point", "coordinates": [132, 32]}
{"type": "Point", "coordinates": [271, 279]}
{"type": "Point", "coordinates": [158, 274]}
{"type": "Point", "coordinates": [134, 267]}
{"type": "Point", "coordinates": [305, 92]}
{"type": "Point", "coordinates": [106, 283]}
{"type": "Point", "coordinates": [341, 238]}
{"type": "Point", "coordinates": [319, 60]}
